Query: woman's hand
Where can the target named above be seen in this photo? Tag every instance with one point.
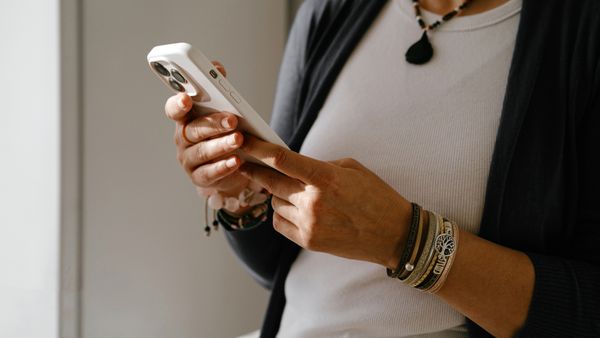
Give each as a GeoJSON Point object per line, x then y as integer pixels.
{"type": "Point", "coordinates": [206, 145]}
{"type": "Point", "coordinates": [338, 207]}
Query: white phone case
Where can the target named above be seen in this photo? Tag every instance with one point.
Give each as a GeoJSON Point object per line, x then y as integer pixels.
{"type": "Point", "coordinates": [210, 90]}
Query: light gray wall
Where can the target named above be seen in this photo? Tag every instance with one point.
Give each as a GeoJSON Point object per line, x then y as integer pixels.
{"type": "Point", "coordinates": [147, 269]}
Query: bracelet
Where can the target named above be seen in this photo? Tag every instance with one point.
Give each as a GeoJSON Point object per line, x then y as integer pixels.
{"type": "Point", "coordinates": [431, 260]}
{"type": "Point", "coordinates": [414, 235]}
{"type": "Point", "coordinates": [442, 279]}
{"type": "Point", "coordinates": [427, 254]}
{"type": "Point", "coordinates": [444, 247]}
{"type": "Point", "coordinates": [434, 252]}
{"type": "Point", "coordinates": [251, 196]}
{"type": "Point", "coordinates": [418, 249]}
{"type": "Point", "coordinates": [257, 215]}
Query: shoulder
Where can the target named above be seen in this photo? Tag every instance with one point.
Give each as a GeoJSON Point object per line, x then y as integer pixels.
{"type": "Point", "coordinates": [315, 15]}
{"type": "Point", "coordinates": [316, 8]}
{"type": "Point", "coordinates": [320, 21]}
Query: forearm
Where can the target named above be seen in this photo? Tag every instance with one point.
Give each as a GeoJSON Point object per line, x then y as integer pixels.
{"type": "Point", "coordinates": [490, 284]}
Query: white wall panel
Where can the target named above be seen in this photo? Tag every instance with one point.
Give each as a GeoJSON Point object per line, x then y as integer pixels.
{"type": "Point", "coordinates": [29, 168]}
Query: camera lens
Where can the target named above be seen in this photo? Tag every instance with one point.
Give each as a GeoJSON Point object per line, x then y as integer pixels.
{"type": "Point", "coordinates": [160, 68]}
{"type": "Point", "coordinates": [175, 85]}
{"type": "Point", "coordinates": [177, 75]}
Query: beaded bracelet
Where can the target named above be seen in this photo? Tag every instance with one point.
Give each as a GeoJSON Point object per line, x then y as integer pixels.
{"type": "Point", "coordinates": [257, 215]}
{"type": "Point", "coordinates": [251, 196]}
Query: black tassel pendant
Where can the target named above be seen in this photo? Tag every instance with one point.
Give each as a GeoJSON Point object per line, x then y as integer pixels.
{"type": "Point", "coordinates": [420, 52]}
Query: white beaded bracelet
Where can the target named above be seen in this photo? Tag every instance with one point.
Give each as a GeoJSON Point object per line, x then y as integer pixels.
{"type": "Point", "coordinates": [251, 196]}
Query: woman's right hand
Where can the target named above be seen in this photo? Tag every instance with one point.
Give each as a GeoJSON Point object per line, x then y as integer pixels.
{"type": "Point", "coordinates": [205, 147]}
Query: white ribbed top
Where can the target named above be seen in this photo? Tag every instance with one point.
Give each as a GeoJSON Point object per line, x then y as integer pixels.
{"type": "Point", "coordinates": [429, 132]}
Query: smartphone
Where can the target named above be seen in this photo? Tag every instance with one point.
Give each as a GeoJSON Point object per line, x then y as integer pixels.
{"type": "Point", "coordinates": [183, 68]}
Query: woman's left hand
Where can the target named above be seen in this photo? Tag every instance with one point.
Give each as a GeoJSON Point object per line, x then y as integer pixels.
{"type": "Point", "coordinates": [339, 207]}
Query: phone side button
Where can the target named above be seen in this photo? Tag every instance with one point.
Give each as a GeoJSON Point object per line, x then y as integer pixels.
{"type": "Point", "coordinates": [235, 97]}
{"type": "Point", "coordinates": [223, 85]}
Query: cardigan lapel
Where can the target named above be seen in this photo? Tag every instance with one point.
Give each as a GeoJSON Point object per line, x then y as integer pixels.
{"type": "Point", "coordinates": [522, 76]}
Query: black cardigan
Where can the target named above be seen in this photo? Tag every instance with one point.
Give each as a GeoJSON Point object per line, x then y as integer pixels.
{"type": "Point", "coordinates": [544, 183]}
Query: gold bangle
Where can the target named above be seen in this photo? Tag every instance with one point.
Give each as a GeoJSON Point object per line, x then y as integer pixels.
{"type": "Point", "coordinates": [432, 261]}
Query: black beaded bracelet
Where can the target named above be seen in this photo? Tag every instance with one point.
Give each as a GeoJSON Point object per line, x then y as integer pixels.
{"type": "Point", "coordinates": [410, 243]}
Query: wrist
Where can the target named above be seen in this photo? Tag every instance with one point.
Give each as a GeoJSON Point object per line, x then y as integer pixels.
{"type": "Point", "coordinates": [255, 216]}
{"type": "Point", "coordinates": [238, 213]}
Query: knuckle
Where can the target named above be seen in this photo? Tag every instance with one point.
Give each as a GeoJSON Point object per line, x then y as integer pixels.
{"type": "Point", "coordinates": [200, 153]}
{"type": "Point", "coordinates": [193, 132]}
{"type": "Point", "coordinates": [201, 178]}
{"type": "Point", "coordinates": [280, 157]}
{"type": "Point", "coordinates": [216, 122]}
{"type": "Point", "coordinates": [185, 163]}
{"type": "Point", "coordinates": [269, 183]}
{"type": "Point", "coordinates": [350, 160]}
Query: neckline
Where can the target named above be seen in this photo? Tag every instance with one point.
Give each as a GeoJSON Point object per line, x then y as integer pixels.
{"type": "Point", "coordinates": [463, 23]}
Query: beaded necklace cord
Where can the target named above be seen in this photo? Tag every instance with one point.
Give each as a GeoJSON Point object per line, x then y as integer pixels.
{"type": "Point", "coordinates": [422, 51]}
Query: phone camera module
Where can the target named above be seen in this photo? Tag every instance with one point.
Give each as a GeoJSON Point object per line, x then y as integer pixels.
{"type": "Point", "coordinates": [177, 75]}
{"type": "Point", "coordinates": [160, 69]}
{"type": "Point", "coordinates": [213, 74]}
{"type": "Point", "coordinates": [175, 85]}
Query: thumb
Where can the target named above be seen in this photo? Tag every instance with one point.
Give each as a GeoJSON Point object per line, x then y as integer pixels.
{"type": "Point", "coordinates": [177, 107]}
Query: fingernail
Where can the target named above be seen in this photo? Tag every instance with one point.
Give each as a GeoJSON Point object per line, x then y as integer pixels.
{"type": "Point", "coordinates": [230, 163]}
{"type": "Point", "coordinates": [181, 103]}
{"type": "Point", "coordinates": [231, 140]}
{"type": "Point", "coordinates": [226, 123]}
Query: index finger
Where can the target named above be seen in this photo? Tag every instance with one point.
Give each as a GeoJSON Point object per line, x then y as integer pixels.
{"type": "Point", "coordinates": [303, 168]}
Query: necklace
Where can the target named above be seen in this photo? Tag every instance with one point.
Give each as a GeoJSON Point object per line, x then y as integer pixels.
{"type": "Point", "coordinates": [422, 51]}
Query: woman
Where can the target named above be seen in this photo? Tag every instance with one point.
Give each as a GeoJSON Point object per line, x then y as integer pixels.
{"type": "Point", "coordinates": [496, 132]}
